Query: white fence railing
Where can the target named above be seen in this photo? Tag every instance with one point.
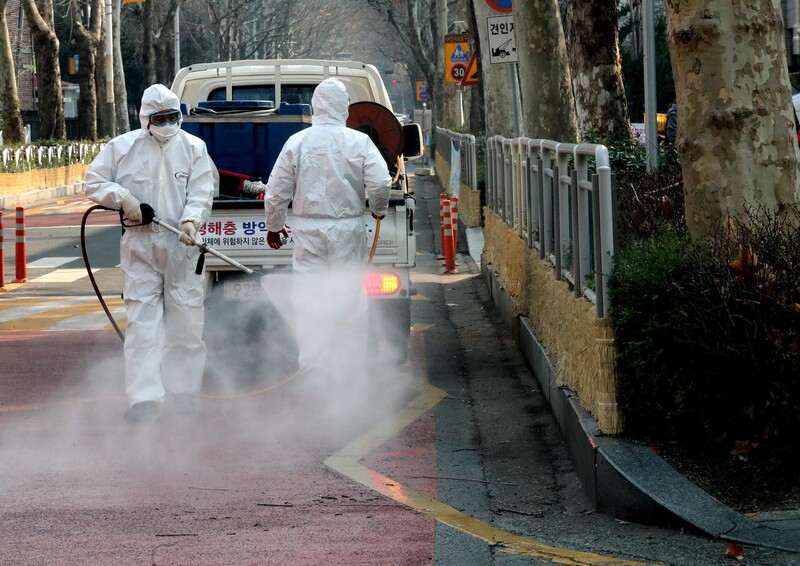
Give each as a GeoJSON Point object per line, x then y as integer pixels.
{"type": "Point", "coordinates": [558, 197]}
{"type": "Point", "coordinates": [33, 156]}
{"type": "Point", "coordinates": [465, 145]}
{"type": "Point", "coordinates": [26, 134]}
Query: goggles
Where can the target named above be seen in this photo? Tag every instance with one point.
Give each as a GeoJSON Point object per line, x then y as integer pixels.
{"type": "Point", "coordinates": [167, 117]}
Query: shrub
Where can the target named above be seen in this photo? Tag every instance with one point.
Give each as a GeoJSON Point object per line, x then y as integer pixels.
{"type": "Point", "coordinates": [709, 333]}
{"type": "Point", "coordinates": [643, 308]}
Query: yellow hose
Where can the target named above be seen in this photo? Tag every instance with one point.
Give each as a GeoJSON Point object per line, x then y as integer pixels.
{"type": "Point", "coordinates": [399, 164]}
{"type": "Point", "coordinates": [375, 239]}
{"type": "Point", "coordinates": [378, 220]}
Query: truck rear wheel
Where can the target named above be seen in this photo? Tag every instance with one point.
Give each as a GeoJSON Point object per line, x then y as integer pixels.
{"type": "Point", "coordinates": [390, 328]}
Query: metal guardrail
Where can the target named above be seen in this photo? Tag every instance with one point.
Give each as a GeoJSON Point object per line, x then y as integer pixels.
{"type": "Point", "coordinates": [465, 143]}
{"type": "Point", "coordinates": [559, 197]}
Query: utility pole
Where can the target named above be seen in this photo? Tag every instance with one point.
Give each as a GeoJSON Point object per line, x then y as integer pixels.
{"type": "Point", "coordinates": [177, 34]}
{"type": "Point", "coordinates": [650, 110]}
{"type": "Point", "coordinates": [108, 57]}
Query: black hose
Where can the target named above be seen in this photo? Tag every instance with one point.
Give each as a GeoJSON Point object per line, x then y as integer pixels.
{"type": "Point", "coordinates": [89, 269]}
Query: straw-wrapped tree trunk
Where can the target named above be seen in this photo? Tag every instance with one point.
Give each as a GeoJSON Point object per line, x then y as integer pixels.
{"type": "Point", "coordinates": [596, 68]}
{"type": "Point", "coordinates": [736, 135]}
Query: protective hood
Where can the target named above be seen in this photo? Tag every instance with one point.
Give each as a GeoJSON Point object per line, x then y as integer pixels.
{"type": "Point", "coordinates": [155, 99]}
{"type": "Point", "coordinates": [330, 102]}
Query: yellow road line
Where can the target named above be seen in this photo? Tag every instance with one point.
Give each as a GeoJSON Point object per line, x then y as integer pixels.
{"type": "Point", "coordinates": [55, 404]}
{"type": "Point", "coordinates": [253, 393]}
{"type": "Point", "coordinates": [346, 462]}
{"type": "Point", "coordinates": [44, 320]}
{"type": "Point", "coordinates": [12, 286]}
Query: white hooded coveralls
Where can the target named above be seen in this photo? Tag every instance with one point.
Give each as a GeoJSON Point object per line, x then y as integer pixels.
{"type": "Point", "coordinates": [163, 295]}
{"type": "Point", "coordinates": [326, 172]}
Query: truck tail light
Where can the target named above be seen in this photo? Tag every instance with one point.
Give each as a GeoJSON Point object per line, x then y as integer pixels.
{"type": "Point", "coordinates": [378, 283]}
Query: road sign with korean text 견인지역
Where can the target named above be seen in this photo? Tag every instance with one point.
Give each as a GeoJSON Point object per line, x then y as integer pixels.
{"type": "Point", "coordinates": [502, 46]}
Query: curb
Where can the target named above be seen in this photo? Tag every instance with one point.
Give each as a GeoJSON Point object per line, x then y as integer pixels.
{"type": "Point", "coordinates": [9, 202]}
{"type": "Point", "coordinates": [624, 479]}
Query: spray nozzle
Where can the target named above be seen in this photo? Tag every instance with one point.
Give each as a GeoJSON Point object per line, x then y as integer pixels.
{"type": "Point", "coordinates": [148, 214]}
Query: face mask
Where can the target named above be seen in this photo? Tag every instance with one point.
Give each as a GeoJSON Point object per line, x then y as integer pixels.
{"type": "Point", "coordinates": [164, 132]}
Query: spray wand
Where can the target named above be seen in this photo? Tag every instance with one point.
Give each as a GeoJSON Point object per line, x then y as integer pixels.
{"type": "Point", "coordinates": [204, 249]}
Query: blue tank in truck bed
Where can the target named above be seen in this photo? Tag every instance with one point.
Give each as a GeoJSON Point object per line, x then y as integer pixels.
{"type": "Point", "coordinates": [245, 141]}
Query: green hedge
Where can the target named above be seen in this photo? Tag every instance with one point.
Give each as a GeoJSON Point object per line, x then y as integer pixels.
{"type": "Point", "coordinates": [708, 348]}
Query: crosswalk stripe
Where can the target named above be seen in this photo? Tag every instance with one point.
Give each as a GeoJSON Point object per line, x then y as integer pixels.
{"type": "Point", "coordinates": [51, 262]}
{"type": "Point", "coordinates": [66, 275]}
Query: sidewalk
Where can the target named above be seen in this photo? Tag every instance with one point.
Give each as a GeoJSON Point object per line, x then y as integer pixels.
{"type": "Point", "coordinates": [627, 480]}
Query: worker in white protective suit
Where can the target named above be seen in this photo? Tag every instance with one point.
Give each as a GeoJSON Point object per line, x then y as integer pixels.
{"type": "Point", "coordinates": [327, 171]}
{"type": "Point", "coordinates": [170, 170]}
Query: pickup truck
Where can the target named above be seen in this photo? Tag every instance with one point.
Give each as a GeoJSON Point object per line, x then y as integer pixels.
{"type": "Point", "coordinates": [245, 111]}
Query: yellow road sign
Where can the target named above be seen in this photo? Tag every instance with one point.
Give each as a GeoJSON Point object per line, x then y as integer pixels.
{"type": "Point", "coordinates": [422, 90]}
{"type": "Point", "coordinates": [456, 57]}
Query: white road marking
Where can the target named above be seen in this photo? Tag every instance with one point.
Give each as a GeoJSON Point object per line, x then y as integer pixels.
{"type": "Point", "coordinates": [52, 262]}
{"type": "Point", "coordinates": [62, 276]}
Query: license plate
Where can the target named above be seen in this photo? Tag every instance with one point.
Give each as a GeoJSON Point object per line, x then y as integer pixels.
{"type": "Point", "coordinates": [243, 290]}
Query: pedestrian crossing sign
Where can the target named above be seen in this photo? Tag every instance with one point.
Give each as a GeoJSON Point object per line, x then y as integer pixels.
{"type": "Point", "coordinates": [456, 56]}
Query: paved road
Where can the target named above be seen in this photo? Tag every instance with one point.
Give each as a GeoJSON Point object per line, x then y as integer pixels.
{"type": "Point", "coordinates": [448, 459]}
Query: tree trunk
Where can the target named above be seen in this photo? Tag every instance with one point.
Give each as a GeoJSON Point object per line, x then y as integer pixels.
{"type": "Point", "coordinates": [13, 131]}
{"type": "Point", "coordinates": [548, 106]}
{"type": "Point", "coordinates": [496, 83]}
{"type": "Point", "coordinates": [476, 121]}
{"type": "Point", "coordinates": [596, 68]}
{"type": "Point", "coordinates": [165, 48]}
{"type": "Point", "coordinates": [105, 110]}
{"type": "Point", "coordinates": [438, 94]}
{"type": "Point", "coordinates": [88, 42]}
{"type": "Point", "coordinates": [121, 121]}
{"type": "Point", "coordinates": [736, 135]}
{"type": "Point", "coordinates": [148, 51]}
{"type": "Point", "coordinates": [48, 71]}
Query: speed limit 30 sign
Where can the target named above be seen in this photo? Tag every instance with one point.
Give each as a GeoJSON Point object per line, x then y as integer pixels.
{"type": "Point", "coordinates": [457, 72]}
